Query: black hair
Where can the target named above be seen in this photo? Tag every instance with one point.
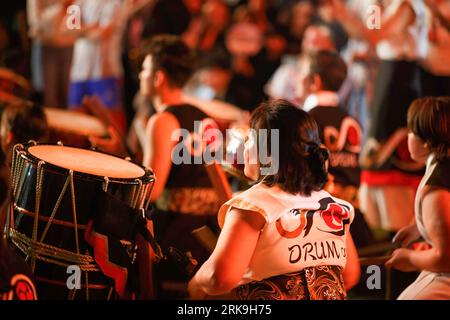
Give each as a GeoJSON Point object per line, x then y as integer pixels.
{"type": "Point", "coordinates": [429, 119]}
{"type": "Point", "coordinates": [171, 55]}
{"type": "Point", "coordinates": [217, 59]}
{"type": "Point", "coordinates": [302, 158]}
{"type": "Point", "coordinates": [330, 67]}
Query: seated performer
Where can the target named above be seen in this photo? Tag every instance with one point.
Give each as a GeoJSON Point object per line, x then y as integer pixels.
{"type": "Point", "coordinates": [428, 142]}
{"type": "Point", "coordinates": [389, 177]}
{"type": "Point", "coordinates": [285, 237]}
{"type": "Point", "coordinates": [339, 131]}
{"type": "Point", "coordinates": [184, 196]}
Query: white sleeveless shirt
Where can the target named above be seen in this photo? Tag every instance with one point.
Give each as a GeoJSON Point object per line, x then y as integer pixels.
{"type": "Point", "coordinates": [300, 231]}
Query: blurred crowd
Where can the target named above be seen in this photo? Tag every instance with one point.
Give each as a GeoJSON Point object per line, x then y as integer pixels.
{"type": "Point", "coordinates": [384, 55]}
{"type": "Point", "coordinates": [247, 50]}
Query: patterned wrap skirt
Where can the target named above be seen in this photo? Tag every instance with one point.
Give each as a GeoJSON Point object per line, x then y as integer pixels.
{"type": "Point", "coordinates": [314, 283]}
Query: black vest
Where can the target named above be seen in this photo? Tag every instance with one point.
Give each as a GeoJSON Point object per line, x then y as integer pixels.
{"type": "Point", "coordinates": [191, 175]}
{"type": "Point", "coordinates": [341, 133]}
{"type": "Point", "coordinates": [441, 175]}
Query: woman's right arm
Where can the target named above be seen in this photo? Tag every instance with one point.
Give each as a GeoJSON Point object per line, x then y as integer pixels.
{"type": "Point", "coordinates": [225, 267]}
{"type": "Point", "coordinates": [436, 218]}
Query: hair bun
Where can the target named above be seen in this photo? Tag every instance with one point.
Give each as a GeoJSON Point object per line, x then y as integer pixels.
{"type": "Point", "coordinates": [323, 152]}
{"type": "Point", "coordinates": [316, 150]}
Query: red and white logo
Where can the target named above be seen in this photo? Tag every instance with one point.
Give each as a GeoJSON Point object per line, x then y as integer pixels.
{"type": "Point", "coordinates": [347, 138]}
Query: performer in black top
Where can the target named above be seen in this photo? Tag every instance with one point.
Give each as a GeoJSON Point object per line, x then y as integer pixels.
{"type": "Point", "coordinates": [390, 177]}
{"type": "Point", "coordinates": [183, 193]}
{"type": "Point", "coordinates": [339, 131]}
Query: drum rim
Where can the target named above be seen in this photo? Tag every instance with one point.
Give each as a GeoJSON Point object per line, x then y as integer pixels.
{"type": "Point", "coordinates": [80, 133]}
{"type": "Point", "coordinates": [22, 151]}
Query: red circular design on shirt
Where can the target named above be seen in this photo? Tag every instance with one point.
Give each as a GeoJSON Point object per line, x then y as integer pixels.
{"type": "Point", "coordinates": [24, 289]}
{"type": "Point", "coordinates": [353, 136]}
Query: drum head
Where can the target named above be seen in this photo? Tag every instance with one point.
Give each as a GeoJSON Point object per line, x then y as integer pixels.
{"type": "Point", "coordinates": [75, 122]}
{"type": "Point", "coordinates": [87, 161]}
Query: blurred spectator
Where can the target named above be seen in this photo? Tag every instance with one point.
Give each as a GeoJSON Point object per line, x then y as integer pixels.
{"type": "Point", "coordinates": [255, 11]}
{"type": "Point", "coordinates": [250, 64]}
{"type": "Point", "coordinates": [207, 30]}
{"type": "Point", "coordinates": [167, 17]}
{"type": "Point", "coordinates": [285, 83]}
{"type": "Point", "coordinates": [14, 43]}
{"type": "Point", "coordinates": [96, 66]}
{"type": "Point", "coordinates": [138, 13]}
{"type": "Point", "coordinates": [356, 92]}
{"type": "Point", "coordinates": [390, 177]}
{"type": "Point", "coordinates": [212, 79]}
{"type": "Point", "coordinates": [436, 62]}
{"type": "Point", "coordinates": [52, 49]}
{"type": "Point", "coordinates": [293, 20]}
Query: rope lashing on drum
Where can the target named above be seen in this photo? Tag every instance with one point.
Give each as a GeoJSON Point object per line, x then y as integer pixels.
{"type": "Point", "coordinates": [51, 254]}
{"type": "Point", "coordinates": [74, 211]}
{"type": "Point", "coordinates": [86, 279]}
{"type": "Point", "coordinates": [52, 216]}
{"type": "Point", "coordinates": [39, 178]}
{"type": "Point", "coordinates": [16, 169]}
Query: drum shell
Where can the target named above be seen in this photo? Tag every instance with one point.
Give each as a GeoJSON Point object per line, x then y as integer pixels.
{"type": "Point", "coordinates": [61, 233]}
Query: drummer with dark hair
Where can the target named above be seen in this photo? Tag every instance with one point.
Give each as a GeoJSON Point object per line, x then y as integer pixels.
{"type": "Point", "coordinates": [339, 131]}
{"type": "Point", "coordinates": [184, 196]}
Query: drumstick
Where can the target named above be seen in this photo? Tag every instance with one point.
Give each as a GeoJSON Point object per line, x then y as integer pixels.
{"type": "Point", "coordinates": [236, 173]}
{"type": "Point", "coordinates": [207, 237]}
{"type": "Point", "coordinates": [378, 248]}
{"type": "Point", "coordinates": [96, 108]}
{"type": "Point", "coordinates": [218, 109]}
{"type": "Point", "coordinates": [368, 261]}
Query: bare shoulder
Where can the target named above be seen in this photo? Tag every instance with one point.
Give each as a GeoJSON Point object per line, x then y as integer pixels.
{"type": "Point", "coordinates": [253, 218]}
{"type": "Point", "coordinates": [436, 201]}
{"type": "Point", "coordinates": [162, 121]}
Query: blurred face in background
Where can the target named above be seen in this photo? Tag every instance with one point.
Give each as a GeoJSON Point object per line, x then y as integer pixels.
{"type": "Point", "coordinates": [147, 77]}
{"type": "Point", "coordinates": [302, 14]}
{"type": "Point", "coordinates": [216, 14]}
{"type": "Point", "coordinates": [216, 78]}
{"type": "Point", "coordinates": [257, 5]}
{"type": "Point", "coordinates": [317, 38]}
{"type": "Point", "coordinates": [418, 148]}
